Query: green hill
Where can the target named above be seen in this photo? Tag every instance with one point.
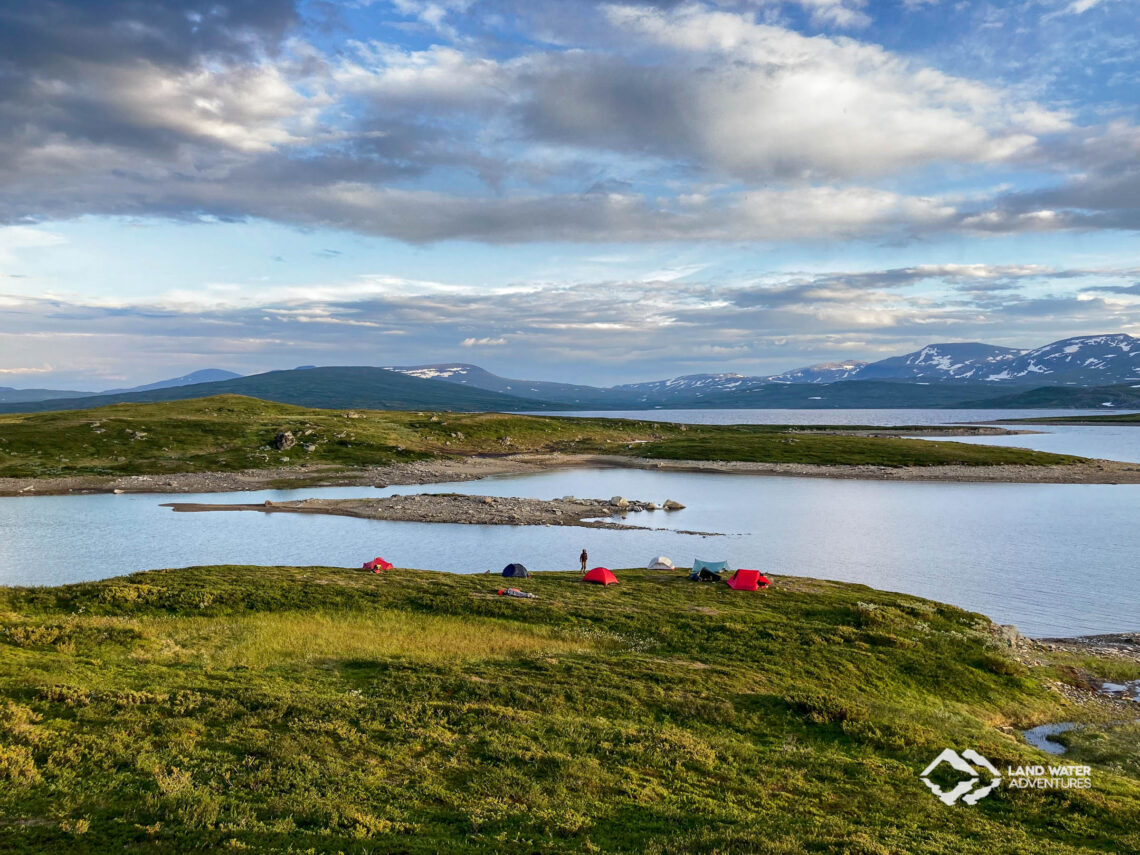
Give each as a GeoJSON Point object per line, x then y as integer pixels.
{"type": "Point", "coordinates": [1067, 397]}
{"type": "Point", "coordinates": [229, 433]}
{"type": "Point", "coordinates": [373, 388]}
{"type": "Point", "coordinates": [316, 709]}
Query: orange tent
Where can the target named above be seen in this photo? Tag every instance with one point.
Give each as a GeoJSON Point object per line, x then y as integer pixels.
{"type": "Point", "coordinates": [601, 576]}
{"type": "Point", "coordinates": [378, 564]}
{"type": "Point", "coordinates": [748, 580]}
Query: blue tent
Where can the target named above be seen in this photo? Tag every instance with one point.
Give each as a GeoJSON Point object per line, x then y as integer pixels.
{"type": "Point", "coordinates": [516, 571]}
{"type": "Point", "coordinates": [708, 571]}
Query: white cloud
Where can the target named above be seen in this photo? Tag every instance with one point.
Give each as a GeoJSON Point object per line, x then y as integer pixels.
{"type": "Point", "coordinates": [760, 100]}
{"type": "Point", "coordinates": [43, 369]}
{"type": "Point", "coordinates": [15, 239]}
{"type": "Point", "coordinates": [483, 342]}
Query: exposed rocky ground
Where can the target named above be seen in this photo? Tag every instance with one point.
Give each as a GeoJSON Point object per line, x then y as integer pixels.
{"type": "Point", "coordinates": [1093, 472]}
{"type": "Point", "coordinates": [474, 467]}
{"type": "Point", "coordinates": [471, 510]}
{"type": "Point", "coordinates": [1082, 687]}
{"type": "Point", "coordinates": [284, 477]}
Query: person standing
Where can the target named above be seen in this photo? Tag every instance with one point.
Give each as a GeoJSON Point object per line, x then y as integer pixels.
{"type": "Point", "coordinates": [583, 558]}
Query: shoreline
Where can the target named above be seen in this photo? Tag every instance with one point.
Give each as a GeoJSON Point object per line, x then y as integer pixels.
{"type": "Point", "coordinates": [478, 467]}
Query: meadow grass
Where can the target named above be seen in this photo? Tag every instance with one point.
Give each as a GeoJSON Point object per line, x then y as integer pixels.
{"type": "Point", "coordinates": [267, 640]}
{"type": "Point", "coordinates": [316, 709]}
{"type": "Point", "coordinates": [230, 433]}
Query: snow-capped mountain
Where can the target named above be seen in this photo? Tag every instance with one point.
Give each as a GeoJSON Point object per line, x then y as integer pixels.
{"type": "Point", "coordinates": [690, 384]}
{"type": "Point", "coordinates": [823, 372]}
{"type": "Point", "coordinates": [1098, 360]}
{"type": "Point", "coordinates": [954, 361]}
{"type": "Point", "coordinates": [1101, 360]}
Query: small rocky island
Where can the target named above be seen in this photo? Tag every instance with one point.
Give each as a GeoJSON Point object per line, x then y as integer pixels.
{"type": "Point", "coordinates": [456, 508]}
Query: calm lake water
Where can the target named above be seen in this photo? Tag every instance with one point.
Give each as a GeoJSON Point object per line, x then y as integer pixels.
{"type": "Point", "coordinates": [1053, 559]}
{"type": "Point", "coordinates": [888, 417]}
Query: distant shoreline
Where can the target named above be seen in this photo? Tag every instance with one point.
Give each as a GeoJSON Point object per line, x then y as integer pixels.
{"type": "Point", "coordinates": [476, 467]}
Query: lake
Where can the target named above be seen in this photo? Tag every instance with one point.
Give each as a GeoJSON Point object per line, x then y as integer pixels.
{"type": "Point", "coordinates": [1053, 559]}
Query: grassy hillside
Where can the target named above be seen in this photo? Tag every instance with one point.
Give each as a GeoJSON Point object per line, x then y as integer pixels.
{"type": "Point", "coordinates": [1107, 419]}
{"type": "Point", "coordinates": [325, 710]}
{"type": "Point", "coordinates": [230, 433]}
{"type": "Point", "coordinates": [1124, 396]}
{"type": "Point", "coordinates": [316, 387]}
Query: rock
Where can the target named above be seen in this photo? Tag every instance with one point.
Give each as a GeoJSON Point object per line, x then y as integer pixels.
{"type": "Point", "coordinates": [1008, 634]}
{"type": "Point", "coordinates": [670, 505]}
{"type": "Point", "coordinates": [284, 440]}
{"type": "Point", "coordinates": [118, 492]}
{"type": "Point", "coordinates": [310, 447]}
{"type": "Point", "coordinates": [650, 506]}
{"type": "Point", "coordinates": [619, 502]}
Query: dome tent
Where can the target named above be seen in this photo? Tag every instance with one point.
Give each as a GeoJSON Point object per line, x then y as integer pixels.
{"type": "Point", "coordinates": [748, 580]}
{"type": "Point", "coordinates": [378, 564]}
{"type": "Point", "coordinates": [661, 563]}
{"type": "Point", "coordinates": [600, 576]}
{"type": "Point", "coordinates": [516, 571]}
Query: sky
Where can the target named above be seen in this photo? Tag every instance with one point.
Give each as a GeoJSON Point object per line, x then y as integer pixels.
{"type": "Point", "coordinates": [600, 192]}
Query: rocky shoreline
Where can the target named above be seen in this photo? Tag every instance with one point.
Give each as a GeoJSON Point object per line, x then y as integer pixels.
{"type": "Point", "coordinates": [1092, 692]}
{"type": "Point", "coordinates": [462, 509]}
{"type": "Point", "coordinates": [476, 467]}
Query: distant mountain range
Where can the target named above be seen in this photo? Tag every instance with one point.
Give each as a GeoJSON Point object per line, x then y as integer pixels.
{"type": "Point", "coordinates": [971, 373]}
{"type": "Point", "coordinates": [361, 387]}
{"type": "Point", "coordinates": [1086, 371]}
{"type": "Point", "coordinates": [206, 375]}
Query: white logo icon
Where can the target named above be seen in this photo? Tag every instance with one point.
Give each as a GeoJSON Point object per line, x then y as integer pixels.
{"type": "Point", "coordinates": [968, 762]}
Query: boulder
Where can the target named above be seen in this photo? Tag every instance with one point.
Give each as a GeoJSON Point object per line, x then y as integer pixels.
{"type": "Point", "coordinates": [619, 502]}
{"type": "Point", "coordinates": [670, 505]}
{"type": "Point", "coordinates": [284, 440]}
{"type": "Point", "coordinates": [1008, 634]}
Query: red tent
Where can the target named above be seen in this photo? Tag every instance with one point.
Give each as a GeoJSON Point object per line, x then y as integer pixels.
{"type": "Point", "coordinates": [601, 576]}
{"type": "Point", "coordinates": [748, 580]}
{"type": "Point", "coordinates": [378, 564]}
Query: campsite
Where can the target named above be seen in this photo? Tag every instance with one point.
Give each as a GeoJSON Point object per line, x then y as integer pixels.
{"type": "Point", "coordinates": [542, 427]}
{"type": "Point", "coordinates": [326, 709]}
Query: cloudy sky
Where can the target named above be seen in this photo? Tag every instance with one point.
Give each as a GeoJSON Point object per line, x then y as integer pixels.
{"type": "Point", "coordinates": [562, 189]}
